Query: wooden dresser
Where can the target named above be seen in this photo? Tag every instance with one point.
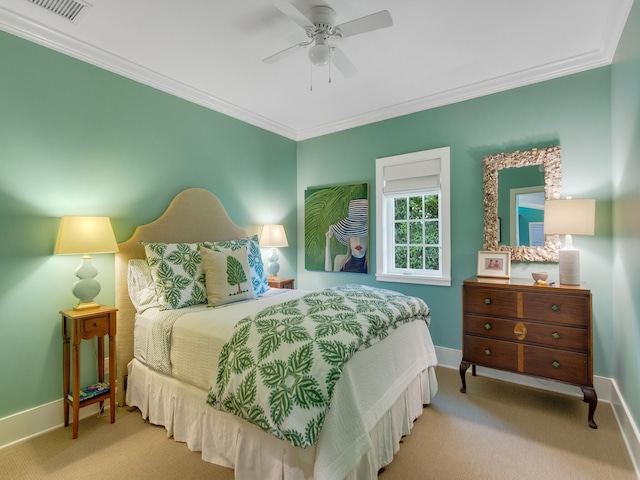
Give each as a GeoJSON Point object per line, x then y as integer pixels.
{"type": "Point", "coordinates": [518, 326]}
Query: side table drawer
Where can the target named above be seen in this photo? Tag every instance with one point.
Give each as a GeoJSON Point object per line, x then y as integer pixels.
{"type": "Point", "coordinates": [556, 364]}
{"type": "Point", "coordinates": [491, 353]}
{"type": "Point", "coordinates": [90, 327]}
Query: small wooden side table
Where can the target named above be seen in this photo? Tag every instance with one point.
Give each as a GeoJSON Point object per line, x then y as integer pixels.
{"type": "Point", "coordinates": [278, 282]}
{"type": "Point", "coordinates": [78, 325]}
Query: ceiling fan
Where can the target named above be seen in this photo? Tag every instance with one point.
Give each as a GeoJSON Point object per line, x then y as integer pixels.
{"type": "Point", "coordinates": [319, 24]}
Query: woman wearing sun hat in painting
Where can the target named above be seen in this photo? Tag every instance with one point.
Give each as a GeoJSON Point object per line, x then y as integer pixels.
{"type": "Point", "coordinates": [352, 232]}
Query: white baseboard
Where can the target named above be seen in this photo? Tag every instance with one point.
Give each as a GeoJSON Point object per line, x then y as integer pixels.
{"type": "Point", "coordinates": [36, 421]}
{"type": "Point", "coordinates": [605, 387]}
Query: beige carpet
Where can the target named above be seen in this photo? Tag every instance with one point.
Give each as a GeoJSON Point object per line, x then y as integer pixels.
{"type": "Point", "coordinates": [495, 431]}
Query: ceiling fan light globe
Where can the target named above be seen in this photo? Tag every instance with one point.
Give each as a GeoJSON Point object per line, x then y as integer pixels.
{"type": "Point", "coordinates": [320, 55]}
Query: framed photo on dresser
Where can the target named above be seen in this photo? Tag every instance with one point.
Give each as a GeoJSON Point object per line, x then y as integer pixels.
{"type": "Point", "coordinates": [494, 264]}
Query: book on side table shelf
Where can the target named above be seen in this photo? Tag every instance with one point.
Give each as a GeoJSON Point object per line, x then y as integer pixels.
{"type": "Point", "coordinates": [91, 391]}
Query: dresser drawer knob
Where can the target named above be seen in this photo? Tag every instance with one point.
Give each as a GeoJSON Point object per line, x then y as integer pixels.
{"type": "Point", "coordinates": [556, 335]}
{"type": "Point", "coordinates": [487, 326]}
{"type": "Point", "coordinates": [487, 351]}
{"type": "Point", "coordinates": [487, 301]}
{"type": "Point", "coordinates": [95, 324]}
{"type": "Point", "coordinates": [555, 307]}
{"type": "Point", "coordinates": [556, 364]}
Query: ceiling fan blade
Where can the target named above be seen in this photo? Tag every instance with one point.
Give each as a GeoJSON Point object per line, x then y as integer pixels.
{"type": "Point", "coordinates": [368, 23]}
{"type": "Point", "coordinates": [343, 64]}
{"type": "Point", "coordinates": [276, 57]}
{"type": "Point", "coordinates": [293, 13]}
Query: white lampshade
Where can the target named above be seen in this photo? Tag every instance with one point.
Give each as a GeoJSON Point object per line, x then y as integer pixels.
{"type": "Point", "coordinates": [80, 235]}
{"type": "Point", "coordinates": [83, 236]}
{"type": "Point", "coordinates": [571, 216]}
{"type": "Point", "coordinates": [273, 236]}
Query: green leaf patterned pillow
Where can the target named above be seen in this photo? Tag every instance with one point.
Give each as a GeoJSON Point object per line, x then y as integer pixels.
{"type": "Point", "coordinates": [177, 271]}
{"type": "Point", "coordinates": [227, 276]}
{"type": "Point", "coordinates": [258, 272]}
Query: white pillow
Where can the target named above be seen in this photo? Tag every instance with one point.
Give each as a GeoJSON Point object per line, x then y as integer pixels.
{"type": "Point", "coordinates": [258, 274]}
{"type": "Point", "coordinates": [142, 289]}
{"type": "Point", "coordinates": [227, 276]}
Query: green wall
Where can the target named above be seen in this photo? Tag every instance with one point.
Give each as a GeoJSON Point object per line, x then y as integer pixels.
{"type": "Point", "coordinates": [77, 140]}
{"type": "Point", "coordinates": [625, 87]}
{"type": "Point", "coordinates": [573, 112]}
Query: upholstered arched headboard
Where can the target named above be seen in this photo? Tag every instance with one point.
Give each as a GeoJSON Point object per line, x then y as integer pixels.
{"type": "Point", "coordinates": [194, 215]}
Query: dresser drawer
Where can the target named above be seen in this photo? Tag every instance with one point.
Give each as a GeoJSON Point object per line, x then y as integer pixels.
{"type": "Point", "coordinates": [491, 353]}
{"type": "Point", "coordinates": [93, 326]}
{"type": "Point", "coordinates": [567, 309]}
{"type": "Point", "coordinates": [556, 336]}
{"type": "Point", "coordinates": [487, 301]}
{"type": "Point", "coordinates": [557, 364]}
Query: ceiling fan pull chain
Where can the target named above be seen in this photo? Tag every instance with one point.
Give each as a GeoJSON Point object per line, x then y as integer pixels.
{"type": "Point", "coordinates": [330, 62]}
{"type": "Point", "coordinates": [310, 77]}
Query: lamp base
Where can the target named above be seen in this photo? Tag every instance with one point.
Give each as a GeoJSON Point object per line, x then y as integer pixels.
{"type": "Point", "coordinates": [86, 306]}
{"type": "Point", "coordinates": [274, 266]}
{"type": "Point", "coordinates": [569, 266]}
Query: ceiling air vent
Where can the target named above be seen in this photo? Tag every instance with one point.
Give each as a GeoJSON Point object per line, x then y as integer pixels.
{"type": "Point", "coordinates": [70, 9]}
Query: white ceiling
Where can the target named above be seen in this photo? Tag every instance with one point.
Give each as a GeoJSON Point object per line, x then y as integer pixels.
{"type": "Point", "coordinates": [437, 52]}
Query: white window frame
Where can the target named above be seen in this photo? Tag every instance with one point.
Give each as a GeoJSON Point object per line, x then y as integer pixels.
{"type": "Point", "coordinates": [385, 222]}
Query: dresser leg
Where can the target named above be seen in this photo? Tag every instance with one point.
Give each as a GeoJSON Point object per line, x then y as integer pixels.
{"type": "Point", "coordinates": [591, 398]}
{"type": "Point", "coordinates": [463, 370]}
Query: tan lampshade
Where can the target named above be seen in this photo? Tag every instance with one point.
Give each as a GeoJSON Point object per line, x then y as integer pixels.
{"type": "Point", "coordinates": [571, 216]}
{"type": "Point", "coordinates": [273, 236]}
{"type": "Point", "coordinates": [83, 235]}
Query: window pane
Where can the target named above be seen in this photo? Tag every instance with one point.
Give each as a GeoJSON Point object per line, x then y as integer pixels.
{"type": "Point", "coordinates": [400, 232]}
{"type": "Point", "coordinates": [400, 258]}
{"type": "Point", "coordinates": [415, 258]}
{"type": "Point", "coordinates": [431, 206]}
{"type": "Point", "coordinates": [432, 258]}
{"type": "Point", "coordinates": [415, 208]}
{"type": "Point", "coordinates": [400, 209]}
{"type": "Point", "coordinates": [415, 233]}
{"type": "Point", "coordinates": [431, 232]}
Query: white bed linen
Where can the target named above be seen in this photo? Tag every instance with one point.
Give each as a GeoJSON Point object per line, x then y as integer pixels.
{"type": "Point", "coordinates": [381, 391]}
{"type": "Point", "coordinates": [199, 334]}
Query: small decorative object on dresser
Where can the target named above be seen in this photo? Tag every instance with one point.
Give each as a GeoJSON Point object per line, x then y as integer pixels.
{"type": "Point", "coordinates": [494, 264]}
{"type": "Point", "coordinates": [78, 325]}
{"type": "Point", "coordinates": [281, 283]}
{"type": "Point", "coordinates": [520, 327]}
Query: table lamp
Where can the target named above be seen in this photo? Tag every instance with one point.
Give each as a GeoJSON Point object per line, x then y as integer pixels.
{"type": "Point", "coordinates": [273, 236]}
{"type": "Point", "coordinates": [571, 216]}
{"type": "Point", "coordinates": [85, 236]}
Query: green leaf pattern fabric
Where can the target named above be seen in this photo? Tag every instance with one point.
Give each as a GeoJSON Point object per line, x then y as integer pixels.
{"type": "Point", "coordinates": [279, 368]}
{"type": "Point", "coordinates": [177, 271]}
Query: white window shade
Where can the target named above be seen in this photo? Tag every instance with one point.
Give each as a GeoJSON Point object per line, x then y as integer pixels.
{"type": "Point", "coordinates": [414, 176]}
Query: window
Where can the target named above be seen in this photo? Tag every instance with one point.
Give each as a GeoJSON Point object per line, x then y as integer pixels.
{"type": "Point", "coordinates": [413, 222]}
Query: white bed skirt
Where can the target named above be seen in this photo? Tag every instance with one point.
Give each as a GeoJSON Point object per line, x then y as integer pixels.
{"type": "Point", "coordinates": [231, 442]}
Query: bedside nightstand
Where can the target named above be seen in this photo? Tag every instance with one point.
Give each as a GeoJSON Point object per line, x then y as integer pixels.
{"type": "Point", "coordinates": [78, 325]}
{"type": "Point", "coordinates": [281, 283]}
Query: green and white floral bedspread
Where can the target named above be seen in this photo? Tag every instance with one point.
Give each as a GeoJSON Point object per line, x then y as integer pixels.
{"type": "Point", "coordinates": [279, 368]}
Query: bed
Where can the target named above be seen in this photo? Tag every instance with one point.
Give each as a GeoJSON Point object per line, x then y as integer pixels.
{"type": "Point", "coordinates": [380, 392]}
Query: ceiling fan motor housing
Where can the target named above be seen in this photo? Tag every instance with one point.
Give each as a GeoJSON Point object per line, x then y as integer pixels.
{"type": "Point", "coordinates": [323, 18]}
